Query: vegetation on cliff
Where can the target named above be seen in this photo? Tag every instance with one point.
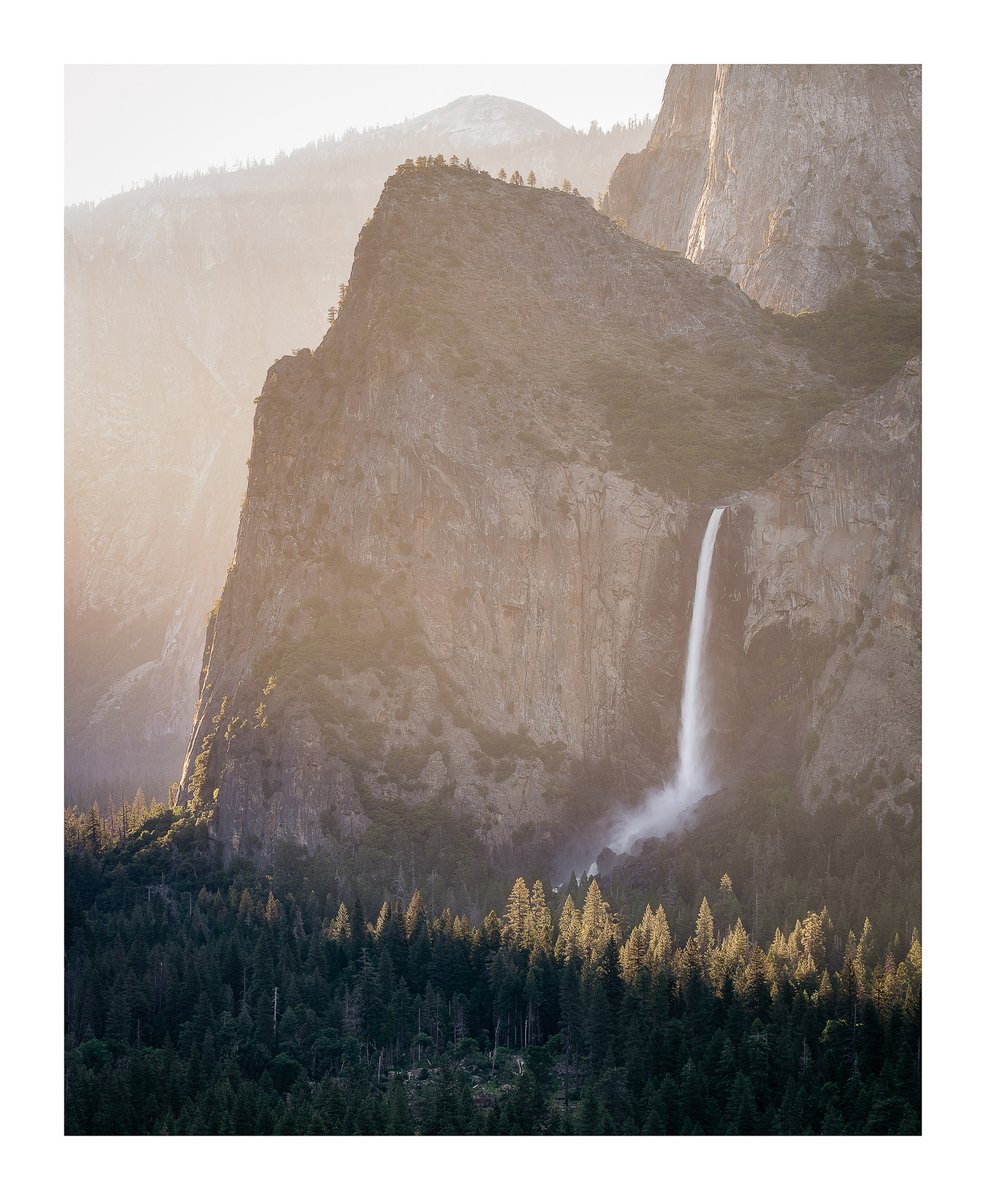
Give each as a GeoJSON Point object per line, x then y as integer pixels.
{"type": "Point", "coordinates": [531, 293]}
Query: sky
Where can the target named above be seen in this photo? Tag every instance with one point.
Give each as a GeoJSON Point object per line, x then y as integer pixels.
{"type": "Point", "coordinates": [126, 124]}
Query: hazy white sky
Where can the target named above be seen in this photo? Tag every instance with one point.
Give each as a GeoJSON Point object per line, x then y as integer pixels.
{"type": "Point", "coordinates": [127, 124]}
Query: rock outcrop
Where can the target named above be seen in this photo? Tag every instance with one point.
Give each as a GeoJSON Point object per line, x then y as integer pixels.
{"type": "Point", "coordinates": [179, 295]}
{"type": "Point", "coordinates": [788, 180]}
{"type": "Point", "coordinates": [464, 562]}
{"type": "Point", "coordinates": [830, 680]}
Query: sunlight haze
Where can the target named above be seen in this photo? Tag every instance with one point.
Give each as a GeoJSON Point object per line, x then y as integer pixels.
{"type": "Point", "coordinates": [126, 124]}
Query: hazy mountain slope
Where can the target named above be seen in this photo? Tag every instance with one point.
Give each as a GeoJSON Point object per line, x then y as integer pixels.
{"type": "Point", "coordinates": [788, 180]}
{"type": "Point", "coordinates": [178, 296]}
{"type": "Point", "coordinates": [455, 578]}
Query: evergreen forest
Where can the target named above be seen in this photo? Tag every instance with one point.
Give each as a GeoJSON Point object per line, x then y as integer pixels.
{"type": "Point", "coordinates": [203, 999]}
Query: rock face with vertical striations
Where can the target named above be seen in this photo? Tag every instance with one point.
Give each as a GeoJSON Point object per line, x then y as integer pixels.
{"type": "Point", "coordinates": [820, 582]}
{"type": "Point", "coordinates": [179, 294]}
{"type": "Point", "coordinates": [788, 180]}
{"type": "Point", "coordinates": [464, 563]}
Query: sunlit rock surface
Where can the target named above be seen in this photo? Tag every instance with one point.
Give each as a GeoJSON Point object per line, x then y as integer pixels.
{"type": "Point", "coordinates": [788, 180]}
{"type": "Point", "coordinates": [179, 295]}
{"type": "Point", "coordinates": [448, 583]}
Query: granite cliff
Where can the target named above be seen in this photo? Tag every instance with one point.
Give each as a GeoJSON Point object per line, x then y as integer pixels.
{"type": "Point", "coordinates": [789, 180]}
{"type": "Point", "coordinates": [179, 294]}
{"type": "Point", "coordinates": [821, 585]}
{"type": "Point", "coordinates": [464, 560]}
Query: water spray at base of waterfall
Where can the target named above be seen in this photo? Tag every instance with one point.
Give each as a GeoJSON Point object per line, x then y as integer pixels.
{"type": "Point", "coordinates": [664, 809]}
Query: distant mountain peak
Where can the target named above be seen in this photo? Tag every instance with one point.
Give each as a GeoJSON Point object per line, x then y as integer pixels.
{"type": "Point", "coordinates": [496, 119]}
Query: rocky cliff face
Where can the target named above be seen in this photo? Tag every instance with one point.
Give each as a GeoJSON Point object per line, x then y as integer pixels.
{"type": "Point", "coordinates": [178, 297]}
{"type": "Point", "coordinates": [464, 563]}
{"type": "Point", "coordinates": [788, 180]}
{"type": "Point", "coordinates": [815, 655]}
{"type": "Point", "coordinates": [820, 608]}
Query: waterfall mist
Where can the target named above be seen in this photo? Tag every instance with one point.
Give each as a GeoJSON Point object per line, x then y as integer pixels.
{"type": "Point", "coordinates": [663, 808]}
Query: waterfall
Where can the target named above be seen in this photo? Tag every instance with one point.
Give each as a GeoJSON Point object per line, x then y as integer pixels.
{"type": "Point", "coordinates": [693, 780]}
{"type": "Point", "coordinates": [692, 735]}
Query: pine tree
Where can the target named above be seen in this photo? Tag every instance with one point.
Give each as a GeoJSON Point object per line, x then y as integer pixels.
{"type": "Point", "coordinates": [415, 913]}
{"type": "Point", "coordinates": [910, 969]}
{"type": "Point", "coordinates": [340, 929]}
{"type": "Point", "coordinates": [569, 924]}
{"type": "Point", "coordinates": [727, 907]}
{"type": "Point", "coordinates": [658, 937]}
{"type": "Point", "coordinates": [517, 916]}
{"type": "Point", "coordinates": [540, 926]}
{"type": "Point", "coordinates": [597, 928]}
{"type": "Point", "coordinates": [864, 959]}
{"type": "Point", "coordinates": [704, 930]}
{"type": "Point", "coordinates": [632, 954]}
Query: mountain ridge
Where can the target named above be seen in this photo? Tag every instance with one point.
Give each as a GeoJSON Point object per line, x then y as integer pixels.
{"type": "Point", "coordinates": [502, 120]}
